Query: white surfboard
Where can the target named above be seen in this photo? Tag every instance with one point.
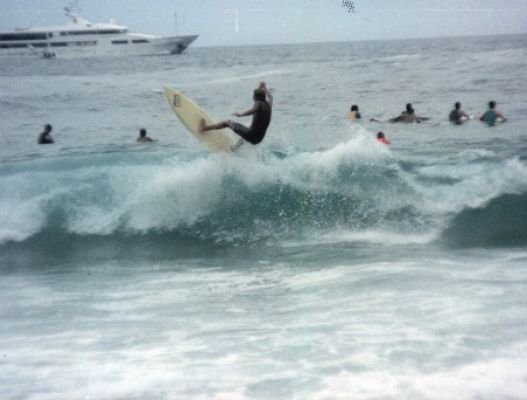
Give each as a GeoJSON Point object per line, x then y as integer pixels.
{"type": "Point", "coordinates": [190, 115]}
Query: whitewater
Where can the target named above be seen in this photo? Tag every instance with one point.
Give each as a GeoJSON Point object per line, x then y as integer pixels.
{"type": "Point", "coordinates": [320, 264]}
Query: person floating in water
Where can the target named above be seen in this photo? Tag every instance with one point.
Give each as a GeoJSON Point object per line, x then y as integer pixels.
{"type": "Point", "coordinates": [261, 112]}
{"type": "Point", "coordinates": [45, 136]}
{"type": "Point", "coordinates": [408, 116]}
{"type": "Point", "coordinates": [491, 116]}
{"type": "Point", "coordinates": [354, 113]}
{"type": "Point", "coordinates": [381, 138]}
{"type": "Point", "coordinates": [457, 115]}
{"type": "Point", "coordinates": [143, 138]}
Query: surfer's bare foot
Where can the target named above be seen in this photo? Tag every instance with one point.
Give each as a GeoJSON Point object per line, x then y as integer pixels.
{"type": "Point", "coordinates": [202, 125]}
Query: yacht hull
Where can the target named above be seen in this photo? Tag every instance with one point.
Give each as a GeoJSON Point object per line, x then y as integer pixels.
{"type": "Point", "coordinates": [100, 46]}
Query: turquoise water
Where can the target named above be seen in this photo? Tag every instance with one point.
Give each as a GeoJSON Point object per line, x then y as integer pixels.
{"type": "Point", "coordinates": [318, 265]}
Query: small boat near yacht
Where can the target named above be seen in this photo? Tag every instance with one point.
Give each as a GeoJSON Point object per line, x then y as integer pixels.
{"type": "Point", "coordinates": [81, 38]}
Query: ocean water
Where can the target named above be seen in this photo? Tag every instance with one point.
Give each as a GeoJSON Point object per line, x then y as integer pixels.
{"type": "Point", "coordinates": [317, 265]}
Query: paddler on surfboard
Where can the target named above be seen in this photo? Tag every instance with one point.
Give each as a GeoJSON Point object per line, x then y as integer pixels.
{"type": "Point", "coordinates": [261, 112]}
{"type": "Point", "coordinates": [408, 116]}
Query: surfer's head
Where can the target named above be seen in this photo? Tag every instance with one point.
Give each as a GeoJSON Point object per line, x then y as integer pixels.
{"type": "Point", "coordinates": [259, 94]}
{"type": "Point", "coordinates": [142, 132]}
{"type": "Point", "coordinates": [354, 107]}
{"type": "Point", "coordinates": [409, 108]}
{"type": "Point", "coordinates": [380, 135]}
{"type": "Point", "coordinates": [492, 104]}
{"type": "Point", "coordinates": [48, 128]}
{"type": "Point", "coordinates": [457, 105]}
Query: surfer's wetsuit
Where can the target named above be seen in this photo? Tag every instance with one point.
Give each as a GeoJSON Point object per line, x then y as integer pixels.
{"type": "Point", "coordinates": [261, 120]}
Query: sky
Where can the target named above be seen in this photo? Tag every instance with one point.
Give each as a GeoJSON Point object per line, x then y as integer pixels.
{"type": "Point", "coordinates": [248, 22]}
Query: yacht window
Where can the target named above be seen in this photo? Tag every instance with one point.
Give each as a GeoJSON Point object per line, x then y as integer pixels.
{"type": "Point", "coordinates": [94, 32]}
{"type": "Point", "coordinates": [90, 43]}
{"type": "Point", "coordinates": [119, 41]}
{"type": "Point", "coordinates": [111, 31]}
{"type": "Point", "coordinates": [23, 36]}
{"type": "Point", "coordinates": [13, 46]}
{"type": "Point", "coordinates": [140, 41]}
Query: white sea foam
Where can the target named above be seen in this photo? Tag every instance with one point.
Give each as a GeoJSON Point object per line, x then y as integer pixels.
{"type": "Point", "coordinates": [385, 238]}
{"type": "Point", "coordinates": [497, 378]}
{"type": "Point", "coordinates": [21, 220]}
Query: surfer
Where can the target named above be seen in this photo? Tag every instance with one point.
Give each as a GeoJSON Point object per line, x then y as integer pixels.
{"type": "Point", "coordinates": [261, 112]}
{"type": "Point", "coordinates": [143, 138]}
{"type": "Point", "coordinates": [354, 113]}
{"type": "Point", "coordinates": [381, 138]}
{"type": "Point", "coordinates": [408, 116]}
{"type": "Point", "coordinates": [45, 136]}
{"type": "Point", "coordinates": [491, 116]}
{"type": "Point", "coordinates": [457, 115]}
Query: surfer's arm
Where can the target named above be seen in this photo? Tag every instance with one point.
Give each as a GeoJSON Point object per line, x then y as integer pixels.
{"type": "Point", "coordinates": [501, 116]}
{"type": "Point", "coordinates": [269, 97]}
{"type": "Point", "coordinates": [248, 112]}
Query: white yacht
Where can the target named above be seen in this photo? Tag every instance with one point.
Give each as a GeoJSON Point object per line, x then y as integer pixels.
{"type": "Point", "coordinates": [81, 38]}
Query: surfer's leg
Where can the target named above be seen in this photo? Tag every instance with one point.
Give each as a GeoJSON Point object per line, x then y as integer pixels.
{"type": "Point", "coordinates": [242, 131]}
{"type": "Point", "coordinates": [203, 127]}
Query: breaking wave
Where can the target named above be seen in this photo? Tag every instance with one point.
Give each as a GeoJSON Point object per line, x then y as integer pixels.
{"type": "Point", "coordinates": [355, 191]}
